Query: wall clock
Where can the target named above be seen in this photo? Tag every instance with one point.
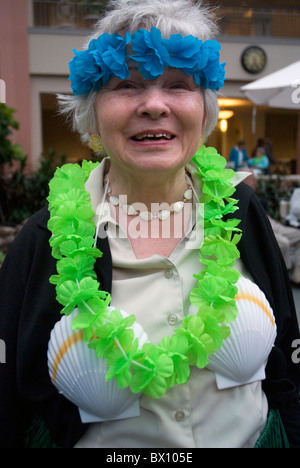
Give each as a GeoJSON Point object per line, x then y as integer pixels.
{"type": "Point", "coordinates": [254, 59]}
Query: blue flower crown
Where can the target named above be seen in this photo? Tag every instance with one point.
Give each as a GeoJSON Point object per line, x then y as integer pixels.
{"type": "Point", "coordinates": [106, 57]}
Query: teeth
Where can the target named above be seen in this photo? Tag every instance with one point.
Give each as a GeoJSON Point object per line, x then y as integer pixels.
{"type": "Point", "coordinates": [151, 135]}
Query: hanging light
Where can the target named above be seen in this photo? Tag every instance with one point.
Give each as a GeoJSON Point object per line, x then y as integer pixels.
{"type": "Point", "coordinates": [223, 125]}
{"type": "Point", "coordinates": [225, 114]}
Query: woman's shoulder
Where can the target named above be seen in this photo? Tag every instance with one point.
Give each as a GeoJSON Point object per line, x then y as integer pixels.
{"type": "Point", "coordinates": [37, 220]}
{"type": "Point", "coordinates": [245, 196]}
{"type": "Point", "coordinates": [34, 230]}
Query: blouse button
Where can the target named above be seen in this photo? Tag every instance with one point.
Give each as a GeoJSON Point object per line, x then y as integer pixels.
{"type": "Point", "coordinates": [168, 274]}
{"type": "Point", "coordinates": [172, 319]}
{"type": "Point", "coordinates": [179, 416]}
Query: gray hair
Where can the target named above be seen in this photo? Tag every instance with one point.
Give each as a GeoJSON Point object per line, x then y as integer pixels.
{"type": "Point", "coordinates": [186, 17]}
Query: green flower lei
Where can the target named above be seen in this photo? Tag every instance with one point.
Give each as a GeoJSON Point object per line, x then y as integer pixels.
{"type": "Point", "coordinates": [151, 369]}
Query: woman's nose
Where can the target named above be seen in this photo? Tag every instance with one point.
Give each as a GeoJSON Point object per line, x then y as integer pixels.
{"type": "Point", "coordinates": [154, 103]}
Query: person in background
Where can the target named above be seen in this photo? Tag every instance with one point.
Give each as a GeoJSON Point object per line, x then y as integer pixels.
{"type": "Point", "coordinates": [288, 239]}
{"type": "Point", "coordinates": [269, 150]}
{"type": "Point", "coordinates": [260, 162]}
{"type": "Point", "coordinates": [238, 156]}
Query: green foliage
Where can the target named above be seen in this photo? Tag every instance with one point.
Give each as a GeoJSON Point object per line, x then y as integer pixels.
{"type": "Point", "coordinates": [270, 191]}
{"type": "Point", "coordinates": [2, 256]}
{"type": "Point", "coordinates": [8, 151]}
{"type": "Point", "coordinates": [23, 194]}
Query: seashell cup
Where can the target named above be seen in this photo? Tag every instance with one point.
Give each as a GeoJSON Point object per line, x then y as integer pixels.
{"type": "Point", "coordinates": [79, 374]}
{"type": "Point", "coordinates": [244, 354]}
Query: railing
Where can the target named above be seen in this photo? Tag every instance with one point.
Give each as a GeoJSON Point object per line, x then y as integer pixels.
{"type": "Point", "coordinates": [78, 14]}
{"type": "Point", "coordinates": [82, 14]}
{"type": "Point", "coordinates": [260, 22]}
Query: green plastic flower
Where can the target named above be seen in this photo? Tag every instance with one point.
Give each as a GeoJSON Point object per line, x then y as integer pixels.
{"type": "Point", "coordinates": [78, 267]}
{"type": "Point", "coordinates": [207, 158]}
{"type": "Point", "coordinates": [223, 249]}
{"type": "Point", "coordinates": [71, 293]}
{"type": "Point", "coordinates": [93, 314]}
{"type": "Point", "coordinates": [119, 358]}
{"type": "Point", "coordinates": [176, 348]}
{"type": "Point", "coordinates": [214, 210]}
{"type": "Point", "coordinates": [70, 248]}
{"type": "Point", "coordinates": [215, 296]}
{"type": "Point", "coordinates": [200, 344]}
{"type": "Point", "coordinates": [214, 269]}
{"type": "Point", "coordinates": [65, 179]}
{"type": "Point", "coordinates": [214, 226]}
{"type": "Point", "coordinates": [114, 328]}
{"type": "Point", "coordinates": [216, 191]}
{"type": "Point", "coordinates": [151, 372]}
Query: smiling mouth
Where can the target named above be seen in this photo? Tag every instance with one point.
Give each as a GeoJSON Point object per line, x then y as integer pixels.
{"type": "Point", "coordinates": [153, 137]}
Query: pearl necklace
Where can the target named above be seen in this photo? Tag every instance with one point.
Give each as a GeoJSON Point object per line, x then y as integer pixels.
{"type": "Point", "coordinates": [145, 215]}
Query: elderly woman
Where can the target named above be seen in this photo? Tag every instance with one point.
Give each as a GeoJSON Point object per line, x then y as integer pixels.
{"type": "Point", "coordinates": [169, 315]}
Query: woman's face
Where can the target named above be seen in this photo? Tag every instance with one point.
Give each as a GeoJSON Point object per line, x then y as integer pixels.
{"type": "Point", "coordinates": [151, 125]}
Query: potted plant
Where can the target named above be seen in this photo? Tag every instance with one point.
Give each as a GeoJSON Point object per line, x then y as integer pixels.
{"type": "Point", "coordinates": [92, 10]}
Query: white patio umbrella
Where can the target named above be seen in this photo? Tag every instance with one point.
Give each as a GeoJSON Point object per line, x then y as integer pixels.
{"type": "Point", "coordinates": [279, 89]}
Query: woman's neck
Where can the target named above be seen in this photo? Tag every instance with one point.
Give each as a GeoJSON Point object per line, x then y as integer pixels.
{"type": "Point", "coordinates": [149, 188]}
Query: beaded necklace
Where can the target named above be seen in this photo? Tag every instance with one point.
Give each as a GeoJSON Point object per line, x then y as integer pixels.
{"type": "Point", "coordinates": [150, 368]}
{"type": "Point", "coordinates": [162, 214]}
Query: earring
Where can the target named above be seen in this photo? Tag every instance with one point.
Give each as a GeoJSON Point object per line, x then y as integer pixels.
{"type": "Point", "coordinates": [201, 141]}
{"type": "Point", "coordinates": [95, 143]}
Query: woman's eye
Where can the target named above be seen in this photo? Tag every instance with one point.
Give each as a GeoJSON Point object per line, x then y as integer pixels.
{"type": "Point", "coordinates": [127, 85]}
{"type": "Point", "coordinates": [179, 85]}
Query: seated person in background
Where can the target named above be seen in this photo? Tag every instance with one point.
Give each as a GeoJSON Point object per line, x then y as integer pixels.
{"type": "Point", "coordinates": [238, 156]}
{"type": "Point", "coordinates": [293, 218]}
{"type": "Point", "coordinates": [288, 239]}
{"type": "Point", "coordinates": [260, 162]}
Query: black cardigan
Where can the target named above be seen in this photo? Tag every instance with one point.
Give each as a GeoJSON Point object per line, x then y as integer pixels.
{"type": "Point", "coordinates": [29, 311]}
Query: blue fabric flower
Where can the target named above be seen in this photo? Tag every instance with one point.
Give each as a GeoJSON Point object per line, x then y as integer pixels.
{"type": "Point", "coordinates": [183, 51]}
{"type": "Point", "coordinates": [150, 51]}
{"type": "Point", "coordinates": [109, 51]}
{"type": "Point", "coordinates": [84, 72]}
{"type": "Point", "coordinates": [92, 68]}
{"type": "Point", "coordinates": [208, 72]}
{"type": "Point", "coordinates": [115, 56]}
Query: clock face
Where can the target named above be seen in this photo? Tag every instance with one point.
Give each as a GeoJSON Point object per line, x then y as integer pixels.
{"type": "Point", "coordinates": [254, 59]}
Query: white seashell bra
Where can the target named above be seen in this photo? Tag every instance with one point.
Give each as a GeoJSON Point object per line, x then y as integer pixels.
{"type": "Point", "coordinates": [79, 374]}
{"type": "Point", "coordinates": [243, 355]}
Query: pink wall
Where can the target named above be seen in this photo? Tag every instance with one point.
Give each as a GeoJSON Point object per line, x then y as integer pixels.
{"type": "Point", "coordinates": [14, 67]}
